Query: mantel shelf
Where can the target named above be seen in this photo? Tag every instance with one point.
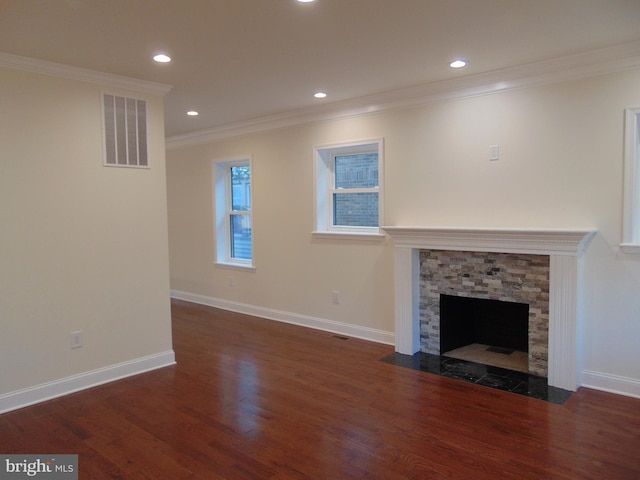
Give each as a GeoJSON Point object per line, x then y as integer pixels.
{"type": "Point", "coordinates": [513, 240]}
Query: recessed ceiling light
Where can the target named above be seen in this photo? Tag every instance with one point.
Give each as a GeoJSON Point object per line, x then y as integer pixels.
{"type": "Point", "coordinates": [458, 64]}
{"type": "Point", "coordinates": [162, 58]}
{"type": "Point", "coordinates": [192, 113]}
{"type": "Point", "coordinates": [305, 1]}
{"type": "Point", "coordinates": [320, 95]}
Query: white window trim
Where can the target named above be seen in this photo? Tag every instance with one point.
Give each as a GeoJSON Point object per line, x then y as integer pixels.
{"type": "Point", "coordinates": [323, 190]}
{"type": "Point", "coordinates": [631, 208]}
{"type": "Point", "coordinates": [222, 205]}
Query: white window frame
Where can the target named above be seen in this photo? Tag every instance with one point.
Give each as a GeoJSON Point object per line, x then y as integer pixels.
{"type": "Point", "coordinates": [222, 227]}
{"type": "Point", "coordinates": [631, 208]}
{"type": "Point", "coordinates": [324, 165]}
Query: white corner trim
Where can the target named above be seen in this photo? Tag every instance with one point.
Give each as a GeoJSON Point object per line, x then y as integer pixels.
{"type": "Point", "coordinates": [629, 387]}
{"type": "Point", "coordinates": [355, 331]}
{"type": "Point", "coordinates": [82, 74]}
{"type": "Point", "coordinates": [57, 388]}
{"type": "Point", "coordinates": [631, 211]}
{"type": "Point", "coordinates": [572, 67]}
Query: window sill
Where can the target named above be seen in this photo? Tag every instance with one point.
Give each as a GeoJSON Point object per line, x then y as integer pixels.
{"type": "Point", "coordinates": [630, 247]}
{"type": "Point", "coordinates": [361, 236]}
{"type": "Point", "coordinates": [235, 266]}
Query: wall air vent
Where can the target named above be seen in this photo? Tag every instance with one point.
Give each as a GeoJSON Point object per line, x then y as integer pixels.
{"type": "Point", "coordinates": [125, 132]}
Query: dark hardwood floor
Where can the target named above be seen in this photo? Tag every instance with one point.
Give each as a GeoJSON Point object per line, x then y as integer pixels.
{"type": "Point", "coordinates": [256, 399]}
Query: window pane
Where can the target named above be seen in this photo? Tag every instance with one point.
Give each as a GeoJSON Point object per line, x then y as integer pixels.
{"type": "Point", "coordinates": [356, 171]}
{"type": "Point", "coordinates": [241, 188]}
{"type": "Point", "coordinates": [241, 237]}
{"type": "Point", "coordinates": [355, 209]}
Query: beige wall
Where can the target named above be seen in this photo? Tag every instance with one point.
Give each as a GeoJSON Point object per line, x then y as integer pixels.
{"type": "Point", "coordinates": [560, 167]}
{"type": "Point", "coordinates": [294, 273]}
{"type": "Point", "coordinates": [82, 246]}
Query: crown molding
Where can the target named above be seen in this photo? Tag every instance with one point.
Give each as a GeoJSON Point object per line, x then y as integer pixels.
{"type": "Point", "coordinates": [572, 67]}
{"type": "Point", "coordinates": [81, 74]}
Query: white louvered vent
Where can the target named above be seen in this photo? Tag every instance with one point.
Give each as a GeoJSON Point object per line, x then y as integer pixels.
{"type": "Point", "coordinates": [125, 132]}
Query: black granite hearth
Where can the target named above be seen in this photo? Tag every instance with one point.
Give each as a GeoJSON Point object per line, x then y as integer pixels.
{"type": "Point", "coordinates": [486, 375]}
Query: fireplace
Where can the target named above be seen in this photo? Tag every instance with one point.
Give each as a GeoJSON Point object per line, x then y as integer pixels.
{"type": "Point", "coordinates": [563, 249]}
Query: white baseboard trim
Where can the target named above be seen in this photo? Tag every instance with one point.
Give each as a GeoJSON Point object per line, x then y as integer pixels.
{"type": "Point", "coordinates": [57, 388]}
{"type": "Point", "coordinates": [629, 387]}
{"type": "Point", "coordinates": [346, 329]}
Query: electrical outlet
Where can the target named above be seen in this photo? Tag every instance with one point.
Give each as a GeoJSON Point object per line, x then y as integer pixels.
{"type": "Point", "coordinates": [76, 339]}
{"type": "Point", "coordinates": [336, 297]}
{"type": "Point", "coordinates": [232, 282]}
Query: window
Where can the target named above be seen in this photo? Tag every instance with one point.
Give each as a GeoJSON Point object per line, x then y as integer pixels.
{"type": "Point", "coordinates": [631, 229]}
{"type": "Point", "coordinates": [234, 236]}
{"type": "Point", "coordinates": [349, 188]}
{"type": "Point", "coordinates": [125, 132]}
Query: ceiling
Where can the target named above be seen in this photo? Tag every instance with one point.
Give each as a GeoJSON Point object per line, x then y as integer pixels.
{"type": "Point", "coordinates": [239, 60]}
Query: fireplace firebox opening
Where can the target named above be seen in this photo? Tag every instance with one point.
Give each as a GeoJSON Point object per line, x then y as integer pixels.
{"type": "Point", "coordinates": [486, 325]}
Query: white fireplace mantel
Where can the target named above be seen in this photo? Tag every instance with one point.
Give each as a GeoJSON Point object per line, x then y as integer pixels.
{"type": "Point", "coordinates": [565, 249]}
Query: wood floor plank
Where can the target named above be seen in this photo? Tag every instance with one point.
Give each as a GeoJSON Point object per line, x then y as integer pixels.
{"type": "Point", "coordinates": [256, 399]}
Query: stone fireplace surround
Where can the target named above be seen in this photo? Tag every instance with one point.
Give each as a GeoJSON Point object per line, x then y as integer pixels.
{"type": "Point", "coordinates": [511, 277]}
{"type": "Point", "coordinates": [565, 249]}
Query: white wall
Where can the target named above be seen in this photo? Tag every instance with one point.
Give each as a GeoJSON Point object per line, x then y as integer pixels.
{"type": "Point", "coordinates": [82, 246]}
{"type": "Point", "coordinates": [560, 167]}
